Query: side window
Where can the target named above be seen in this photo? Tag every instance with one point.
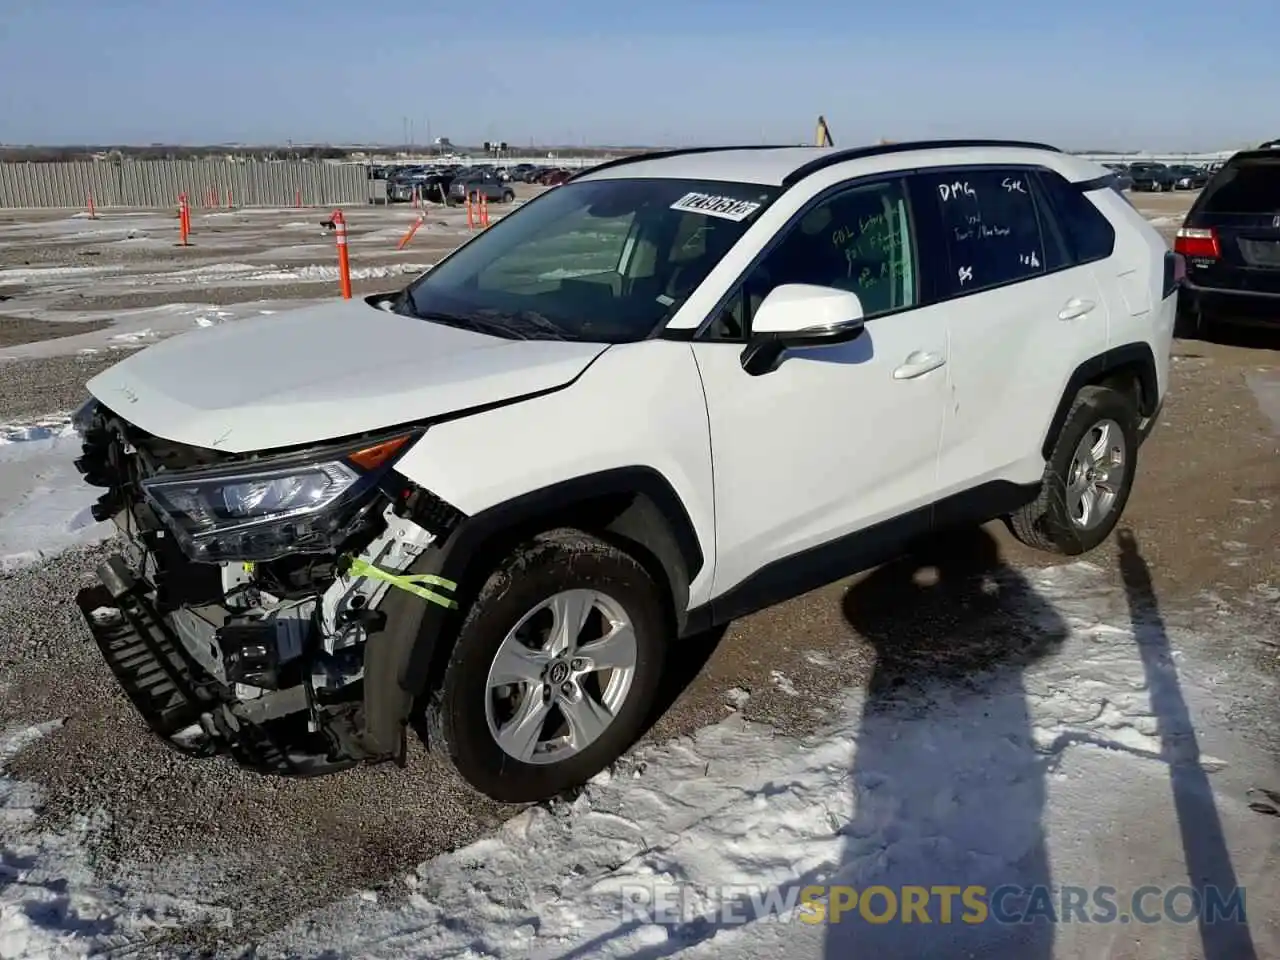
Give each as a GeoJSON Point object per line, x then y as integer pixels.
{"type": "Point", "coordinates": [1089, 235]}
{"type": "Point", "coordinates": [858, 239]}
{"type": "Point", "coordinates": [990, 225]}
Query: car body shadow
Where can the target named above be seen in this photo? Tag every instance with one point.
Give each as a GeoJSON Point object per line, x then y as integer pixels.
{"type": "Point", "coordinates": [948, 787]}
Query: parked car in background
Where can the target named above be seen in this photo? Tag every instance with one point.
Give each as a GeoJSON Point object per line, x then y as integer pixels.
{"type": "Point", "coordinates": [485, 184]}
{"type": "Point", "coordinates": [434, 186]}
{"type": "Point", "coordinates": [1152, 177]}
{"type": "Point", "coordinates": [1188, 177]}
{"type": "Point", "coordinates": [1231, 243]}
{"type": "Point", "coordinates": [1123, 181]}
{"type": "Point", "coordinates": [555, 177]}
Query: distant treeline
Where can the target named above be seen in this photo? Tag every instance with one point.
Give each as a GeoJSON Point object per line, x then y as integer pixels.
{"type": "Point", "coordinates": [12, 154]}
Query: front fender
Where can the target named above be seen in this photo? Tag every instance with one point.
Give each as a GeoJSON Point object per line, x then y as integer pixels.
{"type": "Point", "coordinates": [638, 407]}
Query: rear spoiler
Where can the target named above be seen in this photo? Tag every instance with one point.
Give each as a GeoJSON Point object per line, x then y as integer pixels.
{"type": "Point", "coordinates": [1109, 180]}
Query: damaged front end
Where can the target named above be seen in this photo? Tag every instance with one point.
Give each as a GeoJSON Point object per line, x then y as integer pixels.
{"type": "Point", "coordinates": [249, 607]}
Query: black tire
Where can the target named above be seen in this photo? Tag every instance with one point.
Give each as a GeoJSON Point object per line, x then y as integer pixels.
{"type": "Point", "coordinates": [1045, 523]}
{"type": "Point", "coordinates": [552, 562]}
{"type": "Point", "coordinates": [508, 197]}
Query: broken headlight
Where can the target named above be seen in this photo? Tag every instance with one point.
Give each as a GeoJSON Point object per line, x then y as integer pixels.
{"type": "Point", "coordinates": [270, 508]}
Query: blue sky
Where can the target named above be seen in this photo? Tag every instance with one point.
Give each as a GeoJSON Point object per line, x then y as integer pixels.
{"type": "Point", "coordinates": [1161, 74]}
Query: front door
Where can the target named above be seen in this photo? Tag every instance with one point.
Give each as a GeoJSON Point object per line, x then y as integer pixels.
{"type": "Point", "coordinates": [836, 438]}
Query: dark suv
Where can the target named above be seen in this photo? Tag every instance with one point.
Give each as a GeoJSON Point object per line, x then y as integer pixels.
{"type": "Point", "coordinates": [1231, 243]}
{"type": "Point", "coordinates": [1153, 177]}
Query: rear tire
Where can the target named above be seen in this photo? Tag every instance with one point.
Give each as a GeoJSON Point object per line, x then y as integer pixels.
{"type": "Point", "coordinates": [1053, 521]}
{"type": "Point", "coordinates": [508, 197]}
{"type": "Point", "coordinates": [475, 713]}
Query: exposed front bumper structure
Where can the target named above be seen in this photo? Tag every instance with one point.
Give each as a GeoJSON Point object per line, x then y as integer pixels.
{"type": "Point", "coordinates": [293, 664]}
{"type": "Point", "coordinates": [186, 707]}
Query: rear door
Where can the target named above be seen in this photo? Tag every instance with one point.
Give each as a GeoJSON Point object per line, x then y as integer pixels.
{"type": "Point", "coordinates": [1021, 312]}
{"type": "Point", "coordinates": [1241, 205]}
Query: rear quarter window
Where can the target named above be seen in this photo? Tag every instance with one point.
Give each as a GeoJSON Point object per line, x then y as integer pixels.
{"type": "Point", "coordinates": [1087, 233]}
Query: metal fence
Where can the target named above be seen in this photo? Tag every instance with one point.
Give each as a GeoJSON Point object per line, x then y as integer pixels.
{"type": "Point", "coordinates": [157, 183]}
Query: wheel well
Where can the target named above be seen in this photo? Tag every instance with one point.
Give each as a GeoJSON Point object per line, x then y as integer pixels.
{"type": "Point", "coordinates": [631, 520]}
{"type": "Point", "coordinates": [1130, 369]}
{"type": "Point", "coordinates": [1126, 380]}
{"type": "Point", "coordinates": [636, 509]}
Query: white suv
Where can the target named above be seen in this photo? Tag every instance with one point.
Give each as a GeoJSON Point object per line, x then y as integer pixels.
{"type": "Point", "coordinates": [677, 389]}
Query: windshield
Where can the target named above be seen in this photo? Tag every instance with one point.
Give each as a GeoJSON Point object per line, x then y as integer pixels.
{"type": "Point", "coordinates": [607, 261]}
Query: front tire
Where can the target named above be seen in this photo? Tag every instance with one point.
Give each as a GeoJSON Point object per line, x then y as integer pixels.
{"type": "Point", "coordinates": [555, 669]}
{"type": "Point", "coordinates": [1087, 479]}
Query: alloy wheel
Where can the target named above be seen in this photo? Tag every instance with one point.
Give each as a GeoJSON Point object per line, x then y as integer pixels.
{"type": "Point", "coordinates": [560, 676]}
{"type": "Point", "coordinates": [1096, 475]}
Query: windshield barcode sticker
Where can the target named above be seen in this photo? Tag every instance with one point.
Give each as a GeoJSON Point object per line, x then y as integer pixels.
{"type": "Point", "coordinates": [727, 208]}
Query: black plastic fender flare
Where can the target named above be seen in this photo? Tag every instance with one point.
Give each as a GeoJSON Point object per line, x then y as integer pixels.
{"type": "Point", "coordinates": [1137, 357]}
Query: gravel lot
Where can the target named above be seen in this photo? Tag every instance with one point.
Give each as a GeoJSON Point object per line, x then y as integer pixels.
{"type": "Point", "coordinates": [1205, 510]}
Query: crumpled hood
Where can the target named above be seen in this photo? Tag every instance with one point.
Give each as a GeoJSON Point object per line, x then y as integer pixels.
{"type": "Point", "coordinates": [322, 372]}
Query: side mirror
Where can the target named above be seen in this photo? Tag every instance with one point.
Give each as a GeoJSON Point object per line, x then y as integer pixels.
{"type": "Point", "coordinates": [800, 315]}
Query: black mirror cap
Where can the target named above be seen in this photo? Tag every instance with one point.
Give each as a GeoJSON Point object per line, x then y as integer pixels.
{"type": "Point", "coordinates": [763, 352]}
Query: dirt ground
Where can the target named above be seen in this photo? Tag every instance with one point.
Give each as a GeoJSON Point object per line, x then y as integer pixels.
{"type": "Point", "coordinates": [136, 260]}
{"type": "Point", "coordinates": [1205, 512]}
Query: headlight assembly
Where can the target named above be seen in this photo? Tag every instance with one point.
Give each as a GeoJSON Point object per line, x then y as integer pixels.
{"type": "Point", "coordinates": [272, 507]}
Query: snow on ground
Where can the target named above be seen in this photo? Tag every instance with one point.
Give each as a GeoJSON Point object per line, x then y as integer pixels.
{"type": "Point", "coordinates": [132, 328]}
{"type": "Point", "coordinates": [210, 275]}
{"type": "Point", "coordinates": [52, 903]}
{"type": "Point", "coordinates": [1081, 770]}
{"type": "Point", "coordinates": [44, 503]}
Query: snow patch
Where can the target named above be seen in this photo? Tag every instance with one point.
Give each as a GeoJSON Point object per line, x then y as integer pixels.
{"type": "Point", "coordinates": [52, 905]}
{"type": "Point", "coordinates": [44, 502]}
{"type": "Point", "coordinates": [39, 274]}
{"type": "Point", "coordinates": [1052, 771]}
{"type": "Point", "coordinates": [321, 272]}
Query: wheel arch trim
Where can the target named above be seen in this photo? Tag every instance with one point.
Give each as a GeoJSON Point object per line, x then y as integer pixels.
{"type": "Point", "coordinates": [1137, 357]}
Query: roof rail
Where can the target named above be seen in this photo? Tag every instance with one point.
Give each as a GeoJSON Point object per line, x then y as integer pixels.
{"type": "Point", "coordinates": [679, 152]}
{"type": "Point", "coordinates": [905, 146]}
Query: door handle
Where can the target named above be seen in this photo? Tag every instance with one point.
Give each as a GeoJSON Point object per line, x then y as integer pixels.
{"type": "Point", "coordinates": [1075, 308]}
{"type": "Point", "coordinates": [918, 364]}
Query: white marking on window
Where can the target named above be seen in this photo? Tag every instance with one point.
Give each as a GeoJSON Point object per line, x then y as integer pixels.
{"type": "Point", "coordinates": [726, 208]}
